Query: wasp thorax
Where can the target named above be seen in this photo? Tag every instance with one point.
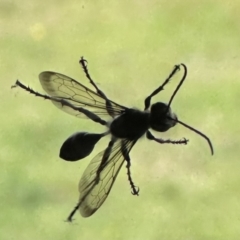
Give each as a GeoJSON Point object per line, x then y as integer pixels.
{"type": "Point", "coordinates": [161, 117]}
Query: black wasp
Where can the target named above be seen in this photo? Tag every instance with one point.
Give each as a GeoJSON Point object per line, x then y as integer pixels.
{"type": "Point", "coordinates": [126, 127]}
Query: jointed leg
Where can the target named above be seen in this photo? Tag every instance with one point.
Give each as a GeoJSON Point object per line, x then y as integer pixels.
{"type": "Point", "coordinates": [91, 184]}
{"type": "Point", "coordinates": [125, 152]}
{"type": "Point", "coordinates": [162, 141]}
{"type": "Point", "coordinates": [83, 62]}
{"type": "Point", "coordinates": [64, 102]}
{"type": "Point", "coordinates": [101, 93]}
{"type": "Point", "coordinates": [148, 99]}
{"type": "Point", "coordinates": [135, 189]}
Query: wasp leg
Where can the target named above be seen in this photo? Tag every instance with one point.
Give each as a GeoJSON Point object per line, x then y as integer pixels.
{"type": "Point", "coordinates": [91, 183]}
{"type": "Point", "coordinates": [83, 62]}
{"type": "Point", "coordinates": [135, 189]}
{"type": "Point", "coordinates": [162, 141]}
{"type": "Point", "coordinates": [147, 101]}
{"type": "Point", "coordinates": [64, 102]}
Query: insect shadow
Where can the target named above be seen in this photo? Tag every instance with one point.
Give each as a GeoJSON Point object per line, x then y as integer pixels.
{"type": "Point", "coordinates": [126, 127]}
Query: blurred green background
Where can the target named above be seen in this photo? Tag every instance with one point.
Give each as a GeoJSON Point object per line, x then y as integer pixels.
{"type": "Point", "coordinates": [131, 46]}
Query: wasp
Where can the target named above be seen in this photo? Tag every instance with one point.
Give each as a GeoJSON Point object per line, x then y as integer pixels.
{"type": "Point", "coordinates": [126, 127]}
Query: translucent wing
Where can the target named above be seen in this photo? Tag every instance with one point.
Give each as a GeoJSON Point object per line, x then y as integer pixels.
{"type": "Point", "coordinates": [61, 86]}
{"type": "Point", "coordinates": [99, 176]}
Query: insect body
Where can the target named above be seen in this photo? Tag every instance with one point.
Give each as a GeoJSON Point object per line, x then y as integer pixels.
{"type": "Point", "coordinates": [126, 127]}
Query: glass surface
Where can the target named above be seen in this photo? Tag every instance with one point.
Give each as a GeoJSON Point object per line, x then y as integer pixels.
{"type": "Point", "coordinates": [131, 47]}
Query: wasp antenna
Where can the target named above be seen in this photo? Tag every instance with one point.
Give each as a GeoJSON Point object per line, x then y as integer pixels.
{"type": "Point", "coordinates": [196, 131]}
{"type": "Point", "coordinates": [179, 85]}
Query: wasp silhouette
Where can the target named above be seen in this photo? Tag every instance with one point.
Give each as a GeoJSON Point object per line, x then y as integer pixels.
{"type": "Point", "coordinates": [126, 127]}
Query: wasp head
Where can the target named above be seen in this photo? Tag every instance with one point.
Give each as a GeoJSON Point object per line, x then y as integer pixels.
{"type": "Point", "coordinates": [161, 117]}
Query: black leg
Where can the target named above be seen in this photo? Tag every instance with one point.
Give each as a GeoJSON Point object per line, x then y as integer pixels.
{"type": "Point", "coordinates": [159, 89]}
{"type": "Point", "coordinates": [135, 189]}
{"type": "Point", "coordinates": [83, 62]}
{"type": "Point", "coordinates": [70, 217]}
{"type": "Point", "coordinates": [162, 141]}
{"type": "Point", "coordinates": [125, 152]}
{"type": "Point", "coordinates": [105, 157]}
{"type": "Point", "coordinates": [64, 102]}
{"type": "Point", "coordinates": [90, 186]}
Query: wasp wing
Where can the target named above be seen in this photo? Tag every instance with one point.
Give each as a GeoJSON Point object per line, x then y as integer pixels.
{"type": "Point", "coordinates": [63, 87]}
{"type": "Point", "coordinates": [100, 175]}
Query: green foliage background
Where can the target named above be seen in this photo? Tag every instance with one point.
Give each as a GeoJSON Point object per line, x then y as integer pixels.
{"type": "Point", "coordinates": [131, 46]}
